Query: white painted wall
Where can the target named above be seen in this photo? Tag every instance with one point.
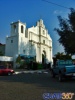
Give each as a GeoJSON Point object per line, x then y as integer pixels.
{"type": "Point", "coordinates": [11, 46]}
{"type": "Point", "coordinates": [6, 58]}
{"type": "Point", "coordinates": [32, 45]}
{"type": "Point", "coordinates": [34, 36]}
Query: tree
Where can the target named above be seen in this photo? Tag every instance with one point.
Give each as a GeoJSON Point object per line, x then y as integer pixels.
{"type": "Point", "coordinates": [18, 60]}
{"type": "Point", "coordinates": [66, 31]}
{"type": "Point", "coordinates": [61, 56]}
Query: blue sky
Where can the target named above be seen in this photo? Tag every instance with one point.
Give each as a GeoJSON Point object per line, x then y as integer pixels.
{"type": "Point", "coordinates": [29, 12]}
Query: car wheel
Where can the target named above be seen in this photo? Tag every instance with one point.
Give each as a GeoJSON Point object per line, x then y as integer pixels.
{"type": "Point", "coordinates": [9, 73]}
{"type": "Point", "coordinates": [60, 77]}
{"type": "Point", "coordinates": [52, 74]}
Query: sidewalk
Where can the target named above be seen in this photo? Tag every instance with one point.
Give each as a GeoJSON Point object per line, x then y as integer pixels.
{"type": "Point", "coordinates": [19, 71]}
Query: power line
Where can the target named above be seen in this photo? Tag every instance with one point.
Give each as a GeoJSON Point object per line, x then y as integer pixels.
{"type": "Point", "coordinates": [55, 4]}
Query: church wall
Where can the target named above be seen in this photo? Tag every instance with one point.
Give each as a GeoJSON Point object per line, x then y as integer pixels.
{"type": "Point", "coordinates": [37, 41]}
{"type": "Point", "coordinates": [11, 46]}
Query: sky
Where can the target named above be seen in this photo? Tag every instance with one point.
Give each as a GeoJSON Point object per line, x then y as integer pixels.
{"type": "Point", "coordinates": [29, 12]}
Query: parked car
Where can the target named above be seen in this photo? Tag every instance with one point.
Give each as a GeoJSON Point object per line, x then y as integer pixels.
{"type": "Point", "coordinates": [6, 71]}
{"type": "Point", "coordinates": [63, 69]}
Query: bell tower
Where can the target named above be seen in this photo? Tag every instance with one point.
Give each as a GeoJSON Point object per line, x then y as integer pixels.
{"type": "Point", "coordinates": [14, 28]}
{"type": "Point", "coordinates": [18, 28]}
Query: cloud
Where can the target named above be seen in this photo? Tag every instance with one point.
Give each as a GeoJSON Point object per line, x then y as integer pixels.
{"type": "Point", "coordinates": [57, 12]}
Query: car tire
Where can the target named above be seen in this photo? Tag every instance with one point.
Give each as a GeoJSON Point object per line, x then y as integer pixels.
{"type": "Point", "coordinates": [60, 77]}
{"type": "Point", "coordinates": [52, 74]}
{"type": "Point", "coordinates": [9, 73]}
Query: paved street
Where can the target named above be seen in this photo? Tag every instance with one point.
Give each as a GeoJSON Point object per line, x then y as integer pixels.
{"type": "Point", "coordinates": [31, 85]}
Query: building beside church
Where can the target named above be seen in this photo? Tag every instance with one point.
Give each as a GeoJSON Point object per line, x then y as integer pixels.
{"type": "Point", "coordinates": [35, 42]}
{"type": "Point", "coordinates": [2, 48]}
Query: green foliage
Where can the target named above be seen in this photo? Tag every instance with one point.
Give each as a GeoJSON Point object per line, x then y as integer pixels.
{"type": "Point", "coordinates": [36, 65]}
{"type": "Point", "coordinates": [67, 32]}
{"type": "Point", "coordinates": [62, 56]}
{"type": "Point", "coordinates": [40, 66]}
{"type": "Point", "coordinates": [18, 60]}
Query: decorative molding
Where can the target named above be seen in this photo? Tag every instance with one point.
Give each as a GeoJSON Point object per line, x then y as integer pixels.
{"type": "Point", "coordinates": [39, 35]}
{"type": "Point", "coordinates": [38, 43]}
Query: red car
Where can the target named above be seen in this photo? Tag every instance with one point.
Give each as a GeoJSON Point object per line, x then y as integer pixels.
{"type": "Point", "coordinates": [6, 71]}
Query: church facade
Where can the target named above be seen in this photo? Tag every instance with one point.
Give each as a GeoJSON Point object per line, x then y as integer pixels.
{"type": "Point", "coordinates": [35, 42]}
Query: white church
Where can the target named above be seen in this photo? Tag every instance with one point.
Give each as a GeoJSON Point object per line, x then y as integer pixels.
{"type": "Point", "coordinates": [35, 42]}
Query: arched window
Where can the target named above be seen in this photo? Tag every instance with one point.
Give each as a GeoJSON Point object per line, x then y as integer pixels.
{"type": "Point", "coordinates": [21, 29]}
